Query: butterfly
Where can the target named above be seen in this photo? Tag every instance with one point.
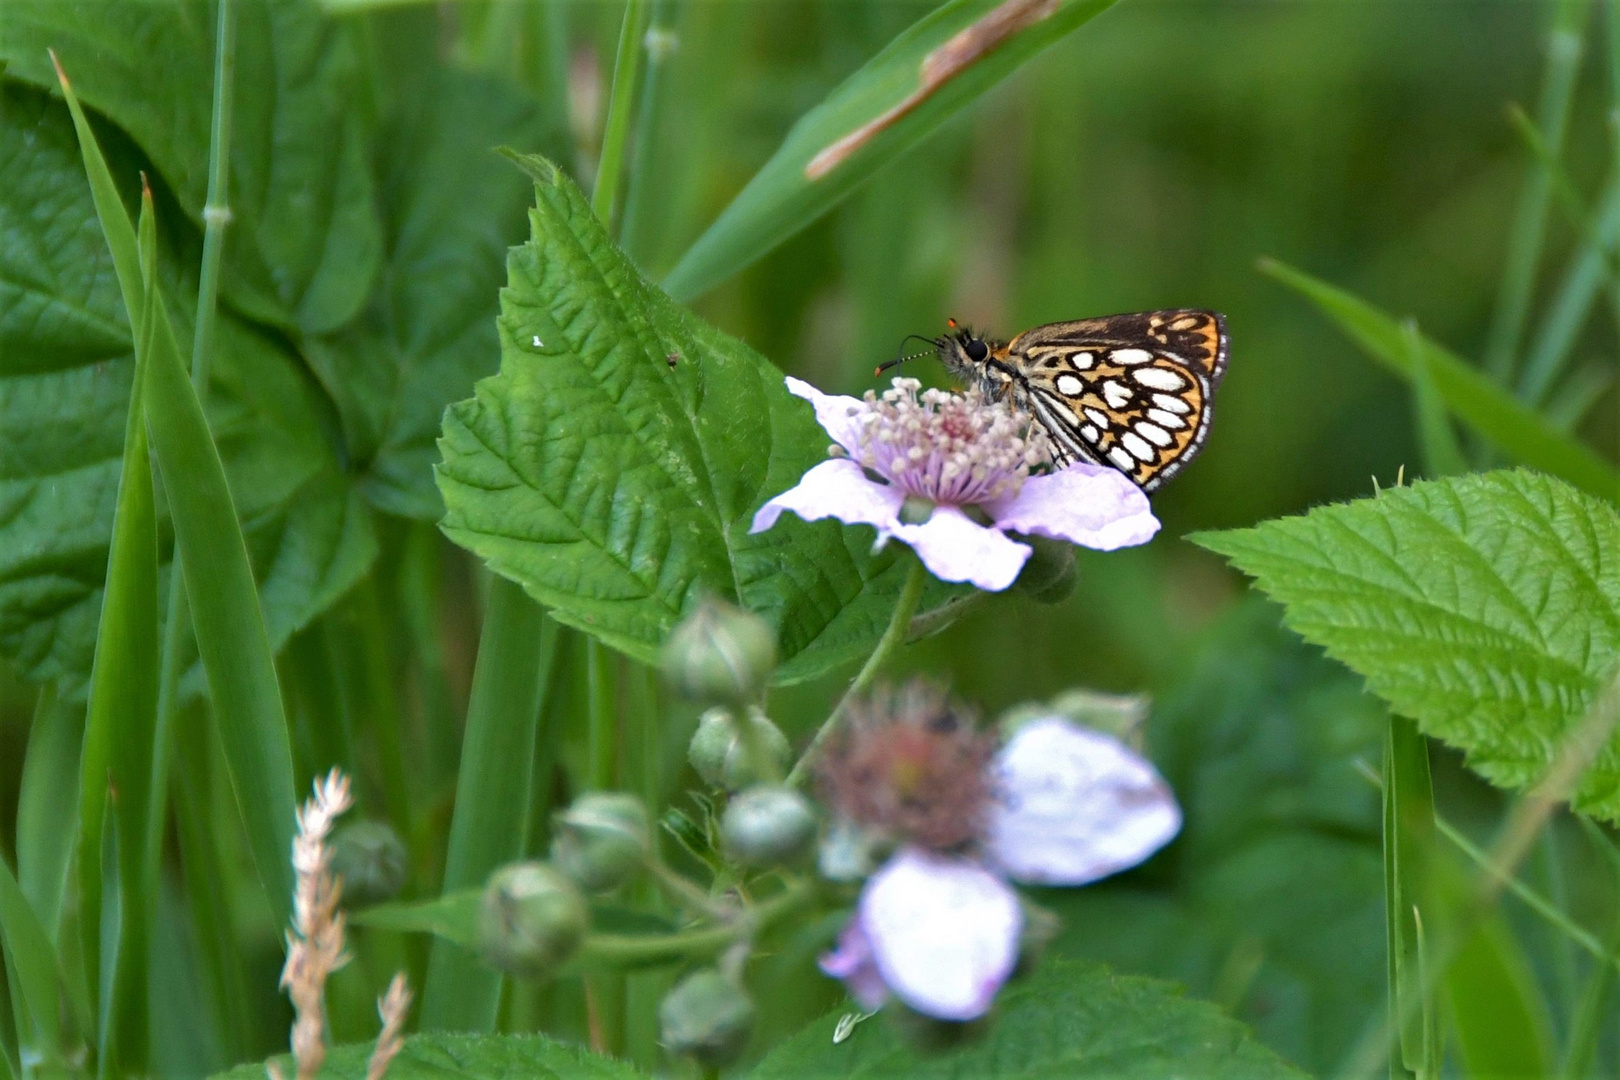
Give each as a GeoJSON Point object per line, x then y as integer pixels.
{"type": "Point", "coordinates": [1134, 392]}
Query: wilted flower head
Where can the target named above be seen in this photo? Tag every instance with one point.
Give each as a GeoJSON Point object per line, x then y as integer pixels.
{"type": "Point", "coordinates": [911, 465]}
{"type": "Point", "coordinates": [937, 926]}
{"type": "Point", "coordinates": [908, 764]}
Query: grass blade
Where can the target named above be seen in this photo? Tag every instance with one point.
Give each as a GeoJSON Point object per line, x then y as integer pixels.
{"type": "Point", "coordinates": [933, 70]}
{"type": "Point", "coordinates": [1473, 397]}
{"type": "Point", "coordinates": [1442, 456]}
{"type": "Point", "coordinates": [1588, 272]}
{"type": "Point", "coordinates": [48, 805]}
{"type": "Point", "coordinates": [626, 67]}
{"type": "Point", "coordinates": [33, 963]}
{"type": "Point", "coordinates": [1530, 223]}
{"type": "Point", "coordinates": [493, 791]}
{"type": "Point", "coordinates": [213, 556]}
{"type": "Point", "coordinates": [1409, 863]}
{"type": "Point", "coordinates": [1500, 1019]}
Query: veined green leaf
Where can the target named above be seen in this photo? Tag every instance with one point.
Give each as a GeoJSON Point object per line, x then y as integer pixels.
{"type": "Point", "coordinates": [66, 369]}
{"type": "Point", "coordinates": [463, 1057]}
{"type": "Point", "coordinates": [1070, 1019]}
{"type": "Point", "coordinates": [932, 71]}
{"type": "Point", "coordinates": [1486, 608]}
{"type": "Point", "coordinates": [225, 609]}
{"type": "Point", "coordinates": [303, 263]}
{"type": "Point", "coordinates": [1473, 397]}
{"type": "Point", "coordinates": [613, 467]}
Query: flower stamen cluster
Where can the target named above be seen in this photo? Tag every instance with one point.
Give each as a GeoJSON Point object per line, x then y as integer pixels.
{"type": "Point", "coordinates": [956, 449]}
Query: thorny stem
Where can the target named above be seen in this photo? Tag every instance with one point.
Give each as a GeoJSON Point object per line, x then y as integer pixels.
{"type": "Point", "coordinates": [895, 636]}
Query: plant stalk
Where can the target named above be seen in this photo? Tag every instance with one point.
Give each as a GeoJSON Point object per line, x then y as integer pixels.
{"type": "Point", "coordinates": [626, 66]}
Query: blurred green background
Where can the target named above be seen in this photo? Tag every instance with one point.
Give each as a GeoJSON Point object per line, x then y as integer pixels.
{"type": "Point", "coordinates": [1146, 161]}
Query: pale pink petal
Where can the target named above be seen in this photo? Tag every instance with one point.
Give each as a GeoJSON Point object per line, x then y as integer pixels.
{"type": "Point", "coordinates": [954, 547]}
{"type": "Point", "coordinates": [943, 932]}
{"type": "Point", "coordinates": [1086, 504]}
{"type": "Point", "coordinates": [839, 415]}
{"type": "Point", "coordinates": [853, 963]}
{"type": "Point", "coordinates": [1076, 805]}
{"type": "Point", "coordinates": [836, 488]}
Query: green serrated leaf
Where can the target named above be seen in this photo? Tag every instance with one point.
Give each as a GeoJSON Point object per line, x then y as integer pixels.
{"type": "Point", "coordinates": [304, 262]}
{"type": "Point", "coordinates": [932, 71]}
{"type": "Point", "coordinates": [1486, 608]}
{"type": "Point", "coordinates": [614, 465]}
{"type": "Point", "coordinates": [474, 1057]}
{"type": "Point", "coordinates": [1071, 1019]}
{"type": "Point", "coordinates": [66, 367]}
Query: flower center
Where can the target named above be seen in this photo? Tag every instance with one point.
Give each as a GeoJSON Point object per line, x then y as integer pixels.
{"type": "Point", "coordinates": [956, 449]}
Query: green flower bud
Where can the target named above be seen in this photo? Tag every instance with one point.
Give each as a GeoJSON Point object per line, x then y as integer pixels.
{"type": "Point", "coordinates": [707, 1017]}
{"type": "Point", "coordinates": [1119, 715]}
{"type": "Point", "coordinates": [370, 859]}
{"type": "Point", "coordinates": [768, 825]}
{"type": "Point", "coordinates": [722, 757]}
{"type": "Point", "coordinates": [1049, 575]}
{"type": "Point", "coordinates": [720, 654]}
{"type": "Point", "coordinates": [532, 919]}
{"type": "Point", "coordinates": [601, 840]}
{"type": "Point", "coordinates": [849, 852]}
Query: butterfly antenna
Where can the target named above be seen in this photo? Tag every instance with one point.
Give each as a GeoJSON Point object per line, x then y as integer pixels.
{"type": "Point", "coordinates": [932, 346]}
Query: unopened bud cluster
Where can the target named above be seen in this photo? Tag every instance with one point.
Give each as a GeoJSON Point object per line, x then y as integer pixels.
{"type": "Point", "coordinates": [720, 655]}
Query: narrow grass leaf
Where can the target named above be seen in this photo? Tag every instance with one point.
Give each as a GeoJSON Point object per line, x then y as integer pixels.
{"type": "Point", "coordinates": [226, 616]}
{"type": "Point", "coordinates": [32, 961]}
{"type": "Point", "coordinates": [1473, 397]}
{"type": "Point", "coordinates": [933, 70]}
{"type": "Point", "coordinates": [1442, 456]}
{"type": "Point", "coordinates": [1409, 866]}
{"type": "Point", "coordinates": [462, 1057]}
{"type": "Point", "coordinates": [1497, 1012]}
{"type": "Point", "coordinates": [47, 805]}
{"type": "Point", "coordinates": [493, 791]}
{"type": "Point", "coordinates": [1590, 269]}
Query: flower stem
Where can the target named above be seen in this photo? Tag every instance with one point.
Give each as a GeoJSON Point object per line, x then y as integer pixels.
{"type": "Point", "coordinates": [895, 636]}
{"type": "Point", "coordinates": [625, 69]}
{"type": "Point", "coordinates": [623, 950]}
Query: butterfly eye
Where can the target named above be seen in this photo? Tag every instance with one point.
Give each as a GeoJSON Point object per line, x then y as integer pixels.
{"type": "Point", "coordinates": [977, 351]}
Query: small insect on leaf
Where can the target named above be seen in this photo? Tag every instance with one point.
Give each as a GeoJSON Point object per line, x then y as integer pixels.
{"type": "Point", "coordinates": [672, 359]}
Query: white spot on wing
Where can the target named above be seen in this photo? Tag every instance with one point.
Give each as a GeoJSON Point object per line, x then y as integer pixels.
{"type": "Point", "coordinates": [1157, 378]}
{"type": "Point", "coordinates": [1153, 433]}
{"type": "Point", "coordinates": [1130, 356]}
{"type": "Point", "coordinates": [1100, 419]}
{"type": "Point", "coordinates": [1121, 458]}
{"type": "Point", "coordinates": [1069, 385]}
{"type": "Point", "coordinates": [1167, 419]}
{"type": "Point", "coordinates": [1116, 395]}
{"type": "Point", "coordinates": [1090, 433]}
{"type": "Point", "coordinates": [1084, 360]}
{"type": "Point", "coordinates": [1136, 446]}
{"type": "Point", "coordinates": [1174, 404]}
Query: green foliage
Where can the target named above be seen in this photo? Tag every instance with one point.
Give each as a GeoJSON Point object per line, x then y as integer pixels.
{"type": "Point", "coordinates": [66, 367]}
{"type": "Point", "coordinates": [1068, 1019]}
{"type": "Point", "coordinates": [613, 467]}
{"type": "Point", "coordinates": [1486, 608]}
{"type": "Point", "coordinates": [474, 1057]}
{"type": "Point", "coordinates": [783, 197]}
{"type": "Point", "coordinates": [1479, 402]}
{"type": "Point", "coordinates": [1269, 901]}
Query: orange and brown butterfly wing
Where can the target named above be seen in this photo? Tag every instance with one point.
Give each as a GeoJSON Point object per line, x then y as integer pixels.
{"type": "Point", "coordinates": [1130, 391]}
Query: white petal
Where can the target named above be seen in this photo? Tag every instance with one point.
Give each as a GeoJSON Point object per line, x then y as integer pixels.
{"type": "Point", "coordinates": [954, 547]}
{"type": "Point", "coordinates": [943, 931]}
{"type": "Point", "coordinates": [1086, 504]}
{"type": "Point", "coordinates": [838, 414]}
{"type": "Point", "coordinates": [1076, 805]}
{"type": "Point", "coordinates": [836, 488]}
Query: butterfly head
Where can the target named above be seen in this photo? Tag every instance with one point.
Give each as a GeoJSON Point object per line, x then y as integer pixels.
{"type": "Point", "coordinates": [962, 350]}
